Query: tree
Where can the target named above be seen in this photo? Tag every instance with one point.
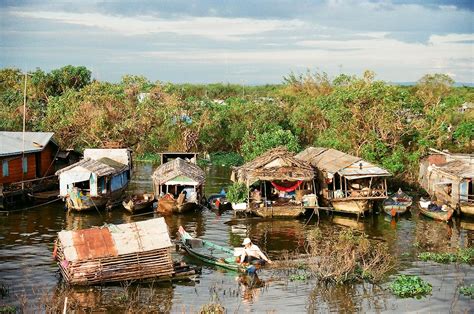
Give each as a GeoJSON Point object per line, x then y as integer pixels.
{"type": "Point", "coordinates": [255, 144]}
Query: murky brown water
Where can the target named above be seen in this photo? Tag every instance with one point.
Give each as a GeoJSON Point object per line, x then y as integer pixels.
{"type": "Point", "coordinates": [31, 277]}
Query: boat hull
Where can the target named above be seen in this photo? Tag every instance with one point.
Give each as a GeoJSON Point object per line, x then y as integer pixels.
{"type": "Point", "coordinates": [467, 209]}
{"type": "Point", "coordinates": [356, 207]}
{"type": "Point", "coordinates": [138, 203]}
{"type": "Point", "coordinates": [167, 207]}
{"type": "Point", "coordinates": [278, 211]}
{"type": "Point", "coordinates": [438, 215]}
{"type": "Point", "coordinates": [78, 202]}
{"type": "Point", "coordinates": [394, 210]}
{"type": "Point", "coordinates": [209, 259]}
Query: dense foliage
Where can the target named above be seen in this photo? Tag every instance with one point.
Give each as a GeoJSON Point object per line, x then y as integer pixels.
{"type": "Point", "coordinates": [238, 193]}
{"type": "Point", "coordinates": [384, 123]}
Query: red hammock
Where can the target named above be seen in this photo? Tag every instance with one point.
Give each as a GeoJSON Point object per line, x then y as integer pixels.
{"type": "Point", "coordinates": [287, 188]}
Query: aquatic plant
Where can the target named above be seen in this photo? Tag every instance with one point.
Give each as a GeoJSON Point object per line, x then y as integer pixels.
{"type": "Point", "coordinates": [212, 308]}
{"type": "Point", "coordinates": [346, 256]}
{"type": "Point", "coordinates": [463, 255]}
{"type": "Point", "coordinates": [238, 193]}
{"type": "Point", "coordinates": [406, 286]}
{"type": "Point", "coordinates": [300, 276]}
{"type": "Point", "coordinates": [467, 291]}
{"type": "Point", "coordinates": [8, 309]}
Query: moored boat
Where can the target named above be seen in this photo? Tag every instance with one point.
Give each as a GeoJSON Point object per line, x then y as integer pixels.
{"type": "Point", "coordinates": [138, 202]}
{"type": "Point", "coordinates": [178, 186]}
{"type": "Point", "coordinates": [441, 213]}
{"type": "Point", "coordinates": [210, 253]}
{"type": "Point", "coordinates": [99, 180]}
{"type": "Point", "coordinates": [397, 203]}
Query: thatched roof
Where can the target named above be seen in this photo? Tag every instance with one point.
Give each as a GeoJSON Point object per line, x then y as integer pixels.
{"type": "Point", "coordinates": [175, 168]}
{"type": "Point", "coordinates": [275, 164]}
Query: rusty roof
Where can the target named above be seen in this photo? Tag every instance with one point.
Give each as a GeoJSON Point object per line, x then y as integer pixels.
{"type": "Point", "coordinates": [115, 240]}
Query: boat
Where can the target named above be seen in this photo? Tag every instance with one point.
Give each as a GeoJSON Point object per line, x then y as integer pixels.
{"type": "Point", "coordinates": [44, 196]}
{"type": "Point", "coordinates": [397, 203]}
{"type": "Point", "coordinates": [443, 213]}
{"type": "Point", "coordinates": [137, 202]}
{"type": "Point", "coordinates": [97, 181]}
{"type": "Point", "coordinates": [219, 202]}
{"type": "Point", "coordinates": [210, 253]}
{"type": "Point", "coordinates": [178, 186]}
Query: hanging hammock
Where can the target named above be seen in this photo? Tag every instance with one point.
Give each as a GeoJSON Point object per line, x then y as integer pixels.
{"type": "Point", "coordinates": [287, 188]}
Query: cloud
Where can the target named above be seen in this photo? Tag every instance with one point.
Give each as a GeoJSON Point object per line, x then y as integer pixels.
{"type": "Point", "coordinates": [217, 28]}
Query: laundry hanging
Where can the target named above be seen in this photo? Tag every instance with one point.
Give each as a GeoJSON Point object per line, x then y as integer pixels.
{"type": "Point", "coordinates": [287, 188]}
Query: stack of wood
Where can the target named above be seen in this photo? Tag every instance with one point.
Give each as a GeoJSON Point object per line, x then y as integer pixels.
{"type": "Point", "coordinates": [134, 251]}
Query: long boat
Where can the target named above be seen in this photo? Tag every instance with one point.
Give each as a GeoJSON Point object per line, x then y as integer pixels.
{"type": "Point", "coordinates": [138, 202]}
{"type": "Point", "coordinates": [436, 215]}
{"type": "Point", "coordinates": [397, 203]}
{"type": "Point", "coordinates": [210, 253]}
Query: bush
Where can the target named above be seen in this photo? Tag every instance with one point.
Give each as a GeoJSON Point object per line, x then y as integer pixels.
{"type": "Point", "coordinates": [238, 193]}
{"type": "Point", "coordinates": [406, 286]}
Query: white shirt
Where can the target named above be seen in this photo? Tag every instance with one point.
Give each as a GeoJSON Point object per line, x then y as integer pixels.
{"type": "Point", "coordinates": [253, 251]}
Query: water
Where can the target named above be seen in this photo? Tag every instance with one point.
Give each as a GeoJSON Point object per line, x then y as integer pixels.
{"type": "Point", "coordinates": [31, 279]}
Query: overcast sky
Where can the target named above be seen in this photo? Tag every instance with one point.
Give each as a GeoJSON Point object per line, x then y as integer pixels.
{"type": "Point", "coordinates": [250, 42]}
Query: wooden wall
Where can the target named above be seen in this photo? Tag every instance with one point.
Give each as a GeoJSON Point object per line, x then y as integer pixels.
{"type": "Point", "coordinates": [15, 165]}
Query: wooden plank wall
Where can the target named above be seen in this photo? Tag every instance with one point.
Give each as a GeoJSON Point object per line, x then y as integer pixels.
{"type": "Point", "coordinates": [15, 167]}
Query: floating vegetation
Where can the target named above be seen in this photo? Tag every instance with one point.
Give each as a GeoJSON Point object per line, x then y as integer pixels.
{"type": "Point", "coordinates": [212, 308]}
{"type": "Point", "coordinates": [467, 291]}
{"type": "Point", "coordinates": [8, 309]}
{"type": "Point", "coordinates": [348, 256]}
{"type": "Point", "coordinates": [300, 276]}
{"type": "Point", "coordinates": [463, 255]}
{"type": "Point", "coordinates": [406, 286]}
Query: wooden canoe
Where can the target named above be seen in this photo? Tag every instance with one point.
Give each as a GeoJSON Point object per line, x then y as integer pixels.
{"type": "Point", "coordinates": [209, 252]}
{"type": "Point", "coordinates": [397, 203]}
{"type": "Point", "coordinates": [278, 211]}
{"type": "Point", "coordinates": [138, 202]}
{"type": "Point", "coordinates": [438, 215]}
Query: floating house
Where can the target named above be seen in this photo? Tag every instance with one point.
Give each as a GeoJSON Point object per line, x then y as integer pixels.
{"type": "Point", "coordinates": [345, 182]}
{"type": "Point", "coordinates": [99, 180]}
{"type": "Point", "coordinates": [131, 251]}
{"type": "Point", "coordinates": [280, 185]}
{"type": "Point", "coordinates": [178, 184]}
{"type": "Point", "coordinates": [448, 178]}
{"type": "Point", "coordinates": [27, 162]}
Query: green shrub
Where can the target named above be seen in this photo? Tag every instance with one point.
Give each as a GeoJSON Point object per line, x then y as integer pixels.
{"type": "Point", "coordinates": [463, 255]}
{"type": "Point", "coordinates": [406, 286]}
{"type": "Point", "coordinates": [468, 291]}
{"type": "Point", "coordinates": [238, 193]}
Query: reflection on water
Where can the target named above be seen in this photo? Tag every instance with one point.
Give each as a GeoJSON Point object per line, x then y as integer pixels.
{"type": "Point", "coordinates": [26, 267]}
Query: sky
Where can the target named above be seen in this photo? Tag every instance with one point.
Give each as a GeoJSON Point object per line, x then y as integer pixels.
{"type": "Point", "coordinates": [245, 42]}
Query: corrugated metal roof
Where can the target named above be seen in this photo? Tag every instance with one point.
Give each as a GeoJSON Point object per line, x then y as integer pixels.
{"type": "Point", "coordinates": [334, 161]}
{"type": "Point", "coordinates": [363, 169]}
{"type": "Point", "coordinates": [11, 143]}
{"type": "Point", "coordinates": [457, 168]}
{"type": "Point", "coordinates": [115, 240]}
{"type": "Point", "coordinates": [98, 167]}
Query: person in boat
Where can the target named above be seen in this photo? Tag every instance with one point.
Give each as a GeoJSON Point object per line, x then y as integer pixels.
{"type": "Point", "coordinates": [252, 254]}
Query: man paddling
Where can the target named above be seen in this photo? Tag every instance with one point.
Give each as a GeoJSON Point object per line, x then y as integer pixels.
{"type": "Point", "coordinates": [252, 254]}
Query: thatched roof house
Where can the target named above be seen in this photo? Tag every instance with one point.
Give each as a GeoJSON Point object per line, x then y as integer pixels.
{"type": "Point", "coordinates": [178, 172]}
{"type": "Point", "coordinates": [275, 164]}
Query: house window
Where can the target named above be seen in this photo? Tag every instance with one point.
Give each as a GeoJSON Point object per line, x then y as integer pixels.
{"type": "Point", "coordinates": [25, 164]}
{"type": "Point", "coordinates": [5, 168]}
